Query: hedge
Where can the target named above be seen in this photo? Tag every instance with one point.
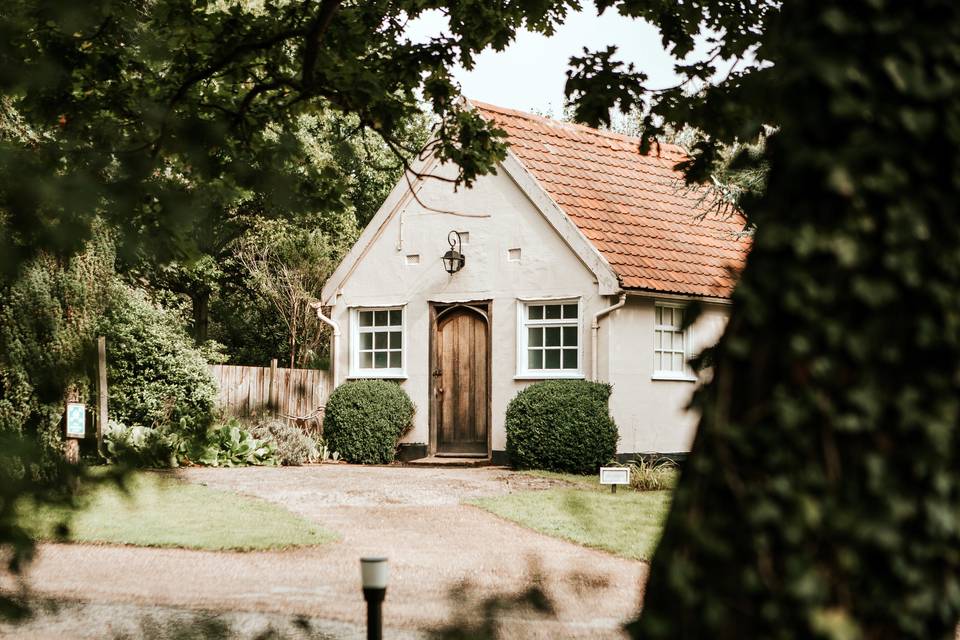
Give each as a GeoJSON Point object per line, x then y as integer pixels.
{"type": "Point", "coordinates": [365, 419]}
{"type": "Point", "coordinates": [561, 425]}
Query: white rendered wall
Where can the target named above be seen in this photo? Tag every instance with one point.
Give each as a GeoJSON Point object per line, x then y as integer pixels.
{"type": "Point", "coordinates": [651, 414]}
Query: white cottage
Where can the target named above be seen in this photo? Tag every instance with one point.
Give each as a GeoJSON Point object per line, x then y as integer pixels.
{"type": "Point", "coordinates": [580, 255]}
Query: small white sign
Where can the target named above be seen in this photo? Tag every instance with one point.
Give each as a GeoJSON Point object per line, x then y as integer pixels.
{"type": "Point", "coordinates": [614, 475]}
{"type": "Point", "coordinates": [76, 420]}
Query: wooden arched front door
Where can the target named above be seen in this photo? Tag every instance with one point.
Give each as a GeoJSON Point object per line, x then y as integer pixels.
{"type": "Point", "coordinates": [460, 368]}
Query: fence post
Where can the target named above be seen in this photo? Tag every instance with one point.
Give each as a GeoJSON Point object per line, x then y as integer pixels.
{"type": "Point", "coordinates": [101, 390]}
{"type": "Point", "coordinates": [272, 399]}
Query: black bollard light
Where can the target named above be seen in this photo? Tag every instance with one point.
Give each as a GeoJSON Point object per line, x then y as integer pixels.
{"type": "Point", "coordinates": [373, 574]}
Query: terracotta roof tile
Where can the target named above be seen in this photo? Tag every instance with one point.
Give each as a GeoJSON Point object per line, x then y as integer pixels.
{"type": "Point", "coordinates": [656, 233]}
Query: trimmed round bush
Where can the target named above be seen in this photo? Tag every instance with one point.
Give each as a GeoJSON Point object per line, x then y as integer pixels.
{"type": "Point", "coordinates": [365, 419]}
{"type": "Point", "coordinates": [561, 425]}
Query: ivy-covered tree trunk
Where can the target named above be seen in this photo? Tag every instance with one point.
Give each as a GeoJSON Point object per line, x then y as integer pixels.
{"type": "Point", "coordinates": [822, 495]}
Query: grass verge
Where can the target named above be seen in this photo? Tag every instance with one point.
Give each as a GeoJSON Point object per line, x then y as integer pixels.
{"type": "Point", "coordinates": [160, 511]}
{"type": "Point", "coordinates": [627, 523]}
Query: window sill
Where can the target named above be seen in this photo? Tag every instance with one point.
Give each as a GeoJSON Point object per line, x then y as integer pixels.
{"type": "Point", "coordinates": [376, 376]}
{"type": "Point", "coordinates": [573, 375]}
{"type": "Point", "coordinates": [674, 377]}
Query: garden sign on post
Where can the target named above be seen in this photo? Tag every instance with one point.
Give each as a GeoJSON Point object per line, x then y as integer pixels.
{"type": "Point", "coordinates": [76, 428]}
{"type": "Point", "coordinates": [614, 476]}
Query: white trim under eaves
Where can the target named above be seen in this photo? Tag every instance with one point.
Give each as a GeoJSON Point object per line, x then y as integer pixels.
{"type": "Point", "coordinates": [607, 281]}
{"type": "Point", "coordinates": [653, 295]}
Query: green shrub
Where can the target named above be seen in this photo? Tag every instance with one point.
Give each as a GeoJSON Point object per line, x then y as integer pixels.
{"type": "Point", "coordinates": [365, 420]}
{"type": "Point", "coordinates": [294, 447]}
{"type": "Point", "coordinates": [156, 375]}
{"type": "Point", "coordinates": [561, 425]}
{"type": "Point", "coordinates": [140, 446]}
{"type": "Point", "coordinates": [233, 446]}
{"type": "Point", "coordinates": [47, 340]}
{"type": "Point", "coordinates": [653, 474]}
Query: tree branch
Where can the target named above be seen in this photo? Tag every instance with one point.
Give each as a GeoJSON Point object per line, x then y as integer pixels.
{"type": "Point", "coordinates": [319, 26]}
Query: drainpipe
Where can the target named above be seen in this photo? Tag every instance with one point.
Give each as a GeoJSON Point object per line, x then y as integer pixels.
{"type": "Point", "coordinates": [335, 347]}
{"type": "Point", "coordinates": [595, 333]}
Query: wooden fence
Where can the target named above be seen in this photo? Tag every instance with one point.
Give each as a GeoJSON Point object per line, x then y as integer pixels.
{"type": "Point", "coordinates": [246, 391]}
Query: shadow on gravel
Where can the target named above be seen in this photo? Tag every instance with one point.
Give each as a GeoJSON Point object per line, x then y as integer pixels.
{"type": "Point", "coordinates": [215, 628]}
{"type": "Point", "coordinates": [506, 615]}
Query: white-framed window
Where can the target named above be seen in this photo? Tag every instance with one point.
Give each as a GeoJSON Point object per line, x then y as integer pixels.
{"type": "Point", "coordinates": [377, 342]}
{"type": "Point", "coordinates": [671, 343]}
{"type": "Point", "coordinates": [549, 339]}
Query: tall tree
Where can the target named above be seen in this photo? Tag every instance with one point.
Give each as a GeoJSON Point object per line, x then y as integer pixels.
{"type": "Point", "coordinates": [133, 102]}
{"type": "Point", "coordinates": [288, 268]}
{"type": "Point", "coordinates": [821, 498]}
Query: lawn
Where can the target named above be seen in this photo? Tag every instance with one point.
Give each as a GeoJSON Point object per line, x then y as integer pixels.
{"type": "Point", "coordinates": [627, 523]}
{"type": "Point", "coordinates": [161, 511]}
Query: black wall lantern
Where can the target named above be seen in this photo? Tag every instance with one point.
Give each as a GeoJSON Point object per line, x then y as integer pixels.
{"type": "Point", "coordinates": [453, 260]}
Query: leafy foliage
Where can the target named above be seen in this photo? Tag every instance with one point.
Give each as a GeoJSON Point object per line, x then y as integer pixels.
{"type": "Point", "coordinates": [287, 269]}
{"type": "Point", "coordinates": [156, 376]}
{"type": "Point", "coordinates": [365, 420]}
{"type": "Point", "coordinates": [138, 446]}
{"type": "Point", "coordinates": [293, 446]}
{"type": "Point", "coordinates": [561, 425]}
{"type": "Point", "coordinates": [821, 498]}
{"type": "Point", "coordinates": [47, 333]}
{"type": "Point", "coordinates": [130, 106]}
{"type": "Point", "coordinates": [233, 446]}
{"type": "Point", "coordinates": [653, 474]}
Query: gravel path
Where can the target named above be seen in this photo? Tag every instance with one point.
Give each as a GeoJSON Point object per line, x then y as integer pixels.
{"type": "Point", "coordinates": [445, 557]}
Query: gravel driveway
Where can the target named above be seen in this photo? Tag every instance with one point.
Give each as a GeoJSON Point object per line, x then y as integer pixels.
{"type": "Point", "coordinates": [445, 557]}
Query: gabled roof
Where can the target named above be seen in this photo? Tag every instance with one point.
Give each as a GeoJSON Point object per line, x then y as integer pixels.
{"type": "Point", "coordinates": [655, 233]}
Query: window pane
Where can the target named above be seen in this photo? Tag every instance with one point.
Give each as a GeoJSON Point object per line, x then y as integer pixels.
{"type": "Point", "coordinates": [535, 337]}
{"type": "Point", "coordinates": [535, 312]}
{"type": "Point", "coordinates": [366, 360]}
{"type": "Point", "coordinates": [395, 360]}
{"type": "Point", "coordinates": [658, 361]}
{"type": "Point", "coordinates": [678, 362]}
{"type": "Point", "coordinates": [569, 358]}
{"type": "Point", "coordinates": [570, 311]}
{"type": "Point", "coordinates": [678, 341]}
{"type": "Point", "coordinates": [569, 336]}
{"type": "Point", "coordinates": [552, 336]}
{"type": "Point", "coordinates": [380, 318]}
{"type": "Point", "coordinates": [366, 340]}
{"type": "Point", "coordinates": [534, 359]}
{"type": "Point", "coordinates": [366, 318]}
{"type": "Point", "coordinates": [659, 315]}
{"type": "Point", "coordinates": [396, 318]}
{"type": "Point", "coordinates": [678, 318]}
{"type": "Point", "coordinates": [552, 311]}
{"type": "Point", "coordinates": [380, 340]}
{"type": "Point", "coordinates": [380, 360]}
{"type": "Point", "coordinates": [667, 340]}
{"type": "Point", "coordinates": [657, 339]}
{"type": "Point", "coordinates": [667, 316]}
{"type": "Point", "coordinates": [396, 341]}
{"type": "Point", "coordinates": [552, 359]}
